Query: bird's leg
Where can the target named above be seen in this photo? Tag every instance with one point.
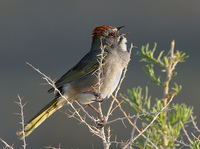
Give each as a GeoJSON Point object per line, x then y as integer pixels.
{"type": "Point", "coordinates": [99, 123]}
{"type": "Point", "coordinates": [98, 98]}
{"type": "Point", "coordinates": [93, 108]}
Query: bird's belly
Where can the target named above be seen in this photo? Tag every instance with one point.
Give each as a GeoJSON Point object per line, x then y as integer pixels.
{"type": "Point", "coordinates": [110, 84]}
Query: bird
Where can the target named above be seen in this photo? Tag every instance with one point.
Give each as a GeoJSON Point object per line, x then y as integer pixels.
{"type": "Point", "coordinates": [81, 81]}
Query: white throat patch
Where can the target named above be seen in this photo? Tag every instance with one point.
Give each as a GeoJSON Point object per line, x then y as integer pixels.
{"type": "Point", "coordinates": [123, 43]}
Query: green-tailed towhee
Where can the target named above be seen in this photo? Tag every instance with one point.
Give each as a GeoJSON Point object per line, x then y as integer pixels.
{"type": "Point", "coordinates": [81, 82]}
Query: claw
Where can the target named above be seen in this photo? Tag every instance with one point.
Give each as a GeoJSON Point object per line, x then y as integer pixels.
{"type": "Point", "coordinates": [98, 97]}
{"type": "Point", "coordinates": [100, 124]}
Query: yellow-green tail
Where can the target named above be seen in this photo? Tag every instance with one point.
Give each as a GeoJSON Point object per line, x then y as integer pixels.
{"type": "Point", "coordinates": [39, 118]}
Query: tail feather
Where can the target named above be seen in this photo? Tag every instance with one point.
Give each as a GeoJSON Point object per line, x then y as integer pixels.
{"type": "Point", "coordinates": [39, 118]}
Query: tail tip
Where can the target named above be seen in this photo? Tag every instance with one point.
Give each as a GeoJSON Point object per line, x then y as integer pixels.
{"type": "Point", "coordinates": [21, 135]}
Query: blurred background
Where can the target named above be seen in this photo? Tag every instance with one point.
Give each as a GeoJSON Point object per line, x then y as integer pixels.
{"type": "Point", "coordinates": [54, 35]}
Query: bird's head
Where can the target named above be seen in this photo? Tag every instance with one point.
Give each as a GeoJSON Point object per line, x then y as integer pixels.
{"type": "Point", "coordinates": [108, 34]}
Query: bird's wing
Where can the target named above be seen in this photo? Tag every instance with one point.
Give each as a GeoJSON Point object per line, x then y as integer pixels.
{"type": "Point", "coordinates": [84, 67]}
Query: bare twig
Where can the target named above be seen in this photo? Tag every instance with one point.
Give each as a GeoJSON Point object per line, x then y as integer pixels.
{"type": "Point", "coordinates": [99, 76]}
{"type": "Point", "coordinates": [170, 70]}
{"type": "Point", "coordinates": [52, 83]}
{"type": "Point", "coordinates": [196, 128]}
{"type": "Point", "coordinates": [136, 116]}
{"type": "Point", "coordinates": [7, 146]}
{"type": "Point", "coordinates": [180, 142]}
{"type": "Point", "coordinates": [109, 134]}
{"type": "Point", "coordinates": [22, 119]}
{"type": "Point", "coordinates": [196, 137]}
{"type": "Point", "coordinates": [59, 147]}
{"type": "Point", "coordinates": [132, 132]}
{"type": "Point", "coordinates": [131, 123]}
{"type": "Point", "coordinates": [154, 118]}
{"type": "Point", "coordinates": [188, 137]}
{"type": "Point", "coordinates": [131, 103]}
{"type": "Point", "coordinates": [146, 140]}
{"type": "Point", "coordinates": [83, 109]}
{"type": "Point", "coordinates": [116, 106]}
{"type": "Point", "coordinates": [194, 123]}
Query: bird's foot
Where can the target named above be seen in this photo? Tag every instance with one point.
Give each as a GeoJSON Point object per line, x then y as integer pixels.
{"type": "Point", "coordinates": [100, 124]}
{"type": "Point", "coordinates": [97, 96]}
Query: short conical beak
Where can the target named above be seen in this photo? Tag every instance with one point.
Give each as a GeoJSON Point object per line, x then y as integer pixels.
{"type": "Point", "coordinates": [119, 28]}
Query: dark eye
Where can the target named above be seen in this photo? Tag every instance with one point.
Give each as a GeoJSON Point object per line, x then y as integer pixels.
{"type": "Point", "coordinates": [111, 34]}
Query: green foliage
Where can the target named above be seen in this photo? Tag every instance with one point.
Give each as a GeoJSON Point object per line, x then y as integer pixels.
{"type": "Point", "coordinates": [166, 129]}
{"type": "Point", "coordinates": [150, 72]}
{"type": "Point", "coordinates": [171, 123]}
{"type": "Point", "coordinates": [148, 56]}
{"type": "Point", "coordinates": [195, 144]}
